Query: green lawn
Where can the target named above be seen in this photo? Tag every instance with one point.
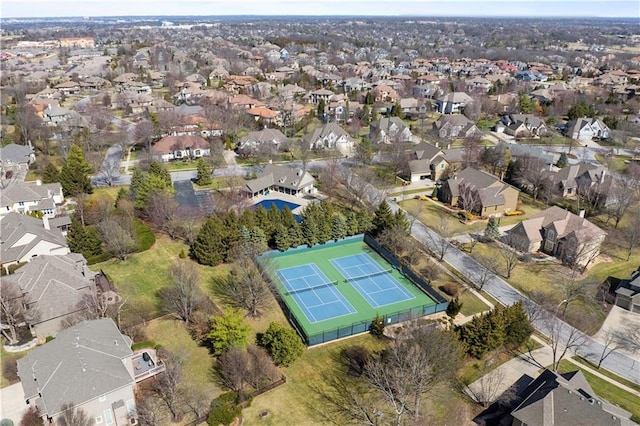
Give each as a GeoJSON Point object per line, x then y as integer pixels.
{"type": "Point", "coordinates": [221, 182]}
{"type": "Point", "coordinates": [9, 368]}
{"type": "Point", "coordinates": [175, 166]}
{"type": "Point", "coordinates": [471, 304]}
{"type": "Point", "coordinates": [616, 163]}
{"type": "Point", "coordinates": [429, 211]}
{"type": "Point", "coordinates": [607, 373]}
{"type": "Point", "coordinates": [172, 335]}
{"type": "Point", "coordinates": [143, 274]}
{"type": "Point", "coordinates": [606, 390]}
{"type": "Point", "coordinates": [297, 402]}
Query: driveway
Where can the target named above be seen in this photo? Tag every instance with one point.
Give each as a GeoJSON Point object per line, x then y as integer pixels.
{"type": "Point", "coordinates": [617, 321]}
{"type": "Point", "coordinates": [12, 403]}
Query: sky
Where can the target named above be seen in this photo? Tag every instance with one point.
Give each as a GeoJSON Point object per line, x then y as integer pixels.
{"type": "Point", "coordinates": [543, 8]}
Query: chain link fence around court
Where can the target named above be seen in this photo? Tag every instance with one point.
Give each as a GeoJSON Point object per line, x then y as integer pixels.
{"type": "Point", "coordinates": [364, 326]}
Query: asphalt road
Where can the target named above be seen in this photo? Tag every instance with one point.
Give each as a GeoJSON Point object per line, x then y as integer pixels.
{"type": "Point", "coordinates": [620, 364]}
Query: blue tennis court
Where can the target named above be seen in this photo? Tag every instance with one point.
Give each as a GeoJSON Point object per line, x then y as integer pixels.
{"type": "Point", "coordinates": [316, 295]}
{"type": "Point", "coordinates": [380, 289]}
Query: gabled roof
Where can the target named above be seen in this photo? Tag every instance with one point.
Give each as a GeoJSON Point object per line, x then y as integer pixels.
{"type": "Point", "coordinates": [81, 364]}
{"type": "Point", "coordinates": [17, 154]}
{"type": "Point", "coordinates": [14, 226]}
{"type": "Point", "coordinates": [56, 284]}
{"type": "Point", "coordinates": [327, 129]}
{"type": "Point", "coordinates": [490, 188]}
{"type": "Point", "coordinates": [426, 151]}
{"type": "Point", "coordinates": [169, 144]}
{"type": "Point", "coordinates": [282, 176]}
{"type": "Point", "coordinates": [563, 222]}
{"type": "Point", "coordinates": [454, 120]}
{"type": "Point", "coordinates": [565, 400]}
{"type": "Point", "coordinates": [264, 136]}
{"type": "Point", "coordinates": [455, 98]}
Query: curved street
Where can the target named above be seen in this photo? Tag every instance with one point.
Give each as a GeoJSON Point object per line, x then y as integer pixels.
{"type": "Point", "coordinates": [618, 363]}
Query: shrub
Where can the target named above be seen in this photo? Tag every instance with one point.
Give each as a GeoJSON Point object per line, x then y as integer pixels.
{"type": "Point", "coordinates": [450, 288]}
{"type": "Point", "coordinates": [377, 327]}
{"type": "Point", "coordinates": [224, 409]}
{"type": "Point", "coordinates": [283, 344]}
{"type": "Point", "coordinates": [31, 417]}
{"type": "Point", "coordinates": [144, 344]}
{"type": "Point", "coordinates": [144, 236]}
{"type": "Point", "coordinates": [183, 254]}
{"type": "Point", "coordinates": [453, 308]}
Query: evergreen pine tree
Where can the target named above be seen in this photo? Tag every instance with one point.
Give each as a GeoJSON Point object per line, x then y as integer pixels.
{"type": "Point", "coordinates": [209, 248]}
{"type": "Point", "coordinates": [76, 236]}
{"type": "Point", "coordinates": [159, 170]}
{"type": "Point", "coordinates": [492, 230]}
{"type": "Point", "coordinates": [383, 218]}
{"type": "Point", "coordinates": [310, 231]}
{"type": "Point", "coordinates": [453, 308]}
{"type": "Point", "coordinates": [74, 175]}
{"type": "Point", "coordinates": [377, 327]}
{"type": "Point", "coordinates": [352, 224]}
{"type": "Point", "coordinates": [281, 238]}
{"type": "Point", "coordinates": [563, 161]}
{"type": "Point", "coordinates": [137, 177]}
{"type": "Point", "coordinates": [518, 326]}
{"type": "Point", "coordinates": [50, 174]}
{"type": "Point", "coordinates": [364, 221]}
{"type": "Point", "coordinates": [339, 228]}
{"type": "Point", "coordinates": [204, 173]}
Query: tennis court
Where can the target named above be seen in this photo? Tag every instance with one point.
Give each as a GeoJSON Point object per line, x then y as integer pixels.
{"type": "Point", "coordinates": [372, 281]}
{"type": "Point", "coordinates": [316, 295]}
{"type": "Point", "coordinates": [324, 300]}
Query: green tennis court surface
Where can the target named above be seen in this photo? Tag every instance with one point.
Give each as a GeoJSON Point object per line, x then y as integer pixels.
{"type": "Point", "coordinates": [336, 289]}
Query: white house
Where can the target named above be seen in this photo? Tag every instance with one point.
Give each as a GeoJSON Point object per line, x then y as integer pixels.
{"type": "Point", "coordinates": [585, 129]}
{"type": "Point", "coordinates": [180, 147]}
{"type": "Point", "coordinates": [25, 237]}
{"type": "Point", "coordinates": [329, 136]}
{"type": "Point", "coordinates": [27, 197]}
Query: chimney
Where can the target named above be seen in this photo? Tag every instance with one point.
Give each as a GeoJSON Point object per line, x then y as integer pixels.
{"type": "Point", "coordinates": [581, 213]}
{"type": "Point", "coordinates": [45, 222]}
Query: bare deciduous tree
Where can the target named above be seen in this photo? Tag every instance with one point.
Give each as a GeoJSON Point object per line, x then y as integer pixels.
{"type": "Point", "coordinates": [532, 175]}
{"type": "Point", "coordinates": [488, 267]}
{"type": "Point", "coordinates": [15, 310]}
{"type": "Point", "coordinates": [574, 290]}
{"type": "Point", "coordinates": [439, 241]}
{"type": "Point", "coordinates": [490, 388]}
{"type": "Point", "coordinates": [166, 386]}
{"type": "Point", "coordinates": [469, 198]}
{"type": "Point", "coordinates": [118, 239]}
{"type": "Point", "coordinates": [631, 234]}
{"type": "Point", "coordinates": [182, 296]}
{"type": "Point", "coordinates": [238, 369]}
{"type": "Point", "coordinates": [510, 257]}
{"type": "Point", "coordinates": [563, 338]}
{"type": "Point", "coordinates": [161, 208]}
{"type": "Point", "coordinates": [246, 286]}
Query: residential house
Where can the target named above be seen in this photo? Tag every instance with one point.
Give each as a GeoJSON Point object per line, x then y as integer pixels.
{"type": "Point", "coordinates": [291, 181]}
{"type": "Point", "coordinates": [530, 76]}
{"type": "Point", "coordinates": [480, 192]}
{"type": "Point", "coordinates": [29, 197]}
{"type": "Point", "coordinates": [180, 147]}
{"type": "Point", "coordinates": [456, 126]}
{"type": "Point", "coordinates": [321, 94]}
{"type": "Point", "coordinates": [583, 179]}
{"type": "Point", "coordinates": [479, 84]}
{"type": "Point", "coordinates": [54, 287]}
{"type": "Point", "coordinates": [412, 107]}
{"type": "Point", "coordinates": [265, 115]}
{"type": "Point", "coordinates": [68, 88]}
{"type": "Point", "coordinates": [560, 233]}
{"type": "Point", "coordinates": [427, 162]}
{"type": "Point", "coordinates": [55, 115]}
{"type": "Point", "coordinates": [91, 367]}
{"type": "Point", "coordinates": [628, 293]}
{"type": "Point", "coordinates": [585, 129]}
{"type": "Point", "coordinates": [522, 125]}
{"type": "Point", "coordinates": [389, 130]}
{"type": "Point", "coordinates": [253, 140]}
{"type": "Point", "coordinates": [453, 103]}
{"type": "Point", "coordinates": [329, 136]}
{"type": "Point", "coordinates": [243, 102]}
{"type": "Point", "coordinates": [17, 155]}
{"type": "Point", "coordinates": [25, 238]}
{"type": "Point", "coordinates": [527, 152]}
{"type": "Point", "coordinates": [561, 399]}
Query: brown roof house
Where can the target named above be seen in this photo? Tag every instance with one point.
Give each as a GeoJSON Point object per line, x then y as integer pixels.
{"type": "Point", "coordinates": [628, 293]}
{"type": "Point", "coordinates": [562, 400]}
{"type": "Point", "coordinates": [560, 233]}
{"type": "Point", "coordinates": [180, 147]}
{"type": "Point", "coordinates": [479, 192]}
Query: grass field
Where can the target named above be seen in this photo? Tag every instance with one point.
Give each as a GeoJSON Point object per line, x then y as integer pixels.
{"type": "Point", "coordinates": [607, 390]}
{"type": "Point", "coordinates": [321, 256]}
{"type": "Point", "coordinates": [141, 277]}
{"type": "Point", "coordinates": [297, 402]}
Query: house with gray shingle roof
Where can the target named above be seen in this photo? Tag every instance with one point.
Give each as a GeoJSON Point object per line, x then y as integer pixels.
{"type": "Point", "coordinates": [26, 197]}
{"type": "Point", "coordinates": [452, 103]}
{"type": "Point", "coordinates": [17, 155]}
{"type": "Point", "coordinates": [54, 288]}
{"type": "Point", "coordinates": [254, 140]}
{"type": "Point", "coordinates": [287, 180]}
{"type": "Point", "coordinates": [389, 130]}
{"type": "Point", "coordinates": [560, 233]}
{"type": "Point", "coordinates": [329, 136]}
{"type": "Point", "coordinates": [88, 366]}
{"type": "Point", "coordinates": [562, 399]}
{"type": "Point", "coordinates": [23, 238]}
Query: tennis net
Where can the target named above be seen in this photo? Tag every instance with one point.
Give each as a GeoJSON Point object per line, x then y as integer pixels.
{"type": "Point", "coordinates": [375, 274]}
{"type": "Point", "coordinates": [305, 289]}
